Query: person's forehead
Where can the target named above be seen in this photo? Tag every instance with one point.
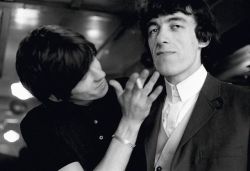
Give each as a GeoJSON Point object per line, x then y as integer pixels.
{"type": "Point", "coordinates": [177, 16]}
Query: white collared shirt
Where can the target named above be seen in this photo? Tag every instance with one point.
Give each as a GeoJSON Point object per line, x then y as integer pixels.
{"type": "Point", "coordinates": [181, 99]}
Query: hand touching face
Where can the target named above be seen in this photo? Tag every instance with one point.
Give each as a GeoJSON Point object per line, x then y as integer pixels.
{"type": "Point", "coordinates": [135, 100]}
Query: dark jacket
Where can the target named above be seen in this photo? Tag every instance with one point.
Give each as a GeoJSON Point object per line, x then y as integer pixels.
{"type": "Point", "coordinates": [216, 137]}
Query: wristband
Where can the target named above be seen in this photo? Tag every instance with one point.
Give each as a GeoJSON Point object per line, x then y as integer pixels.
{"type": "Point", "coordinates": [123, 141]}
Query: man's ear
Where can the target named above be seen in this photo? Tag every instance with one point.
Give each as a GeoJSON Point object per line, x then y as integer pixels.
{"type": "Point", "coordinates": [203, 44]}
{"type": "Point", "coordinates": [54, 98]}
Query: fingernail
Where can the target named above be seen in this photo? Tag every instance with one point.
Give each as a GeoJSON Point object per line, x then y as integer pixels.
{"type": "Point", "coordinates": [139, 83]}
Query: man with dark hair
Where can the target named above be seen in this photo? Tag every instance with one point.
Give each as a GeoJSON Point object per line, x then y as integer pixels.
{"type": "Point", "coordinates": [79, 125]}
{"type": "Point", "coordinates": [49, 50]}
{"type": "Point", "coordinates": [198, 123]}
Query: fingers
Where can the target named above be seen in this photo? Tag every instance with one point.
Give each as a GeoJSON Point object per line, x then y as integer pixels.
{"type": "Point", "coordinates": [155, 94]}
{"type": "Point", "coordinates": [136, 82]}
{"type": "Point", "coordinates": [139, 83]}
{"type": "Point", "coordinates": [131, 82]}
{"type": "Point", "coordinates": [142, 78]}
{"type": "Point", "coordinates": [136, 99]}
{"type": "Point", "coordinates": [140, 90]}
{"type": "Point", "coordinates": [117, 86]}
{"type": "Point", "coordinates": [150, 84]}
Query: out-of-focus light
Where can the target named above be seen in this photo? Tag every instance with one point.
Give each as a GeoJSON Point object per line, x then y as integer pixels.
{"type": "Point", "coordinates": [19, 91]}
{"type": "Point", "coordinates": [98, 18]}
{"type": "Point", "coordinates": [11, 136]}
{"type": "Point", "coordinates": [93, 33]}
{"type": "Point", "coordinates": [25, 16]}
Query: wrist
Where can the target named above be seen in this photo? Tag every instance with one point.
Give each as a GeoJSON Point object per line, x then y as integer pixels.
{"type": "Point", "coordinates": [128, 129]}
{"type": "Point", "coordinates": [123, 141]}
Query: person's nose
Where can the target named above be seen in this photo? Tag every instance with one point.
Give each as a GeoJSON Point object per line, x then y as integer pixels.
{"type": "Point", "coordinates": [163, 36]}
{"type": "Point", "coordinates": [99, 74]}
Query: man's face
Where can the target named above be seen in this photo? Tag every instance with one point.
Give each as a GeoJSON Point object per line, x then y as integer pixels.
{"type": "Point", "coordinates": [92, 86]}
{"type": "Point", "coordinates": [174, 46]}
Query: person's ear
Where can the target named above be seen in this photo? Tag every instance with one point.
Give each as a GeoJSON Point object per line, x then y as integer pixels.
{"type": "Point", "coordinates": [203, 44]}
{"type": "Point", "coordinates": [53, 98]}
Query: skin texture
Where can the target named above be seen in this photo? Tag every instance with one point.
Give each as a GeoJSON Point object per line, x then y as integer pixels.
{"type": "Point", "coordinates": [135, 101]}
{"type": "Point", "coordinates": [173, 42]}
{"type": "Point", "coordinates": [92, 86]}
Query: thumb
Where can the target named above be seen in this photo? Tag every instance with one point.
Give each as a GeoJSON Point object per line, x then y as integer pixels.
{"type": "Point", "coordinates": [117, 86]}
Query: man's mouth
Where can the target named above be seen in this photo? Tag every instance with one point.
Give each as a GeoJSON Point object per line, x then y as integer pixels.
{"type": "Point", "coordinates": [102, 82]}
{"type": "Point", "coordinates": [164, 53]}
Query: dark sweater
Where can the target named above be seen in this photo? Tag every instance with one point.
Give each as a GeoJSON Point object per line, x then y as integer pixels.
{"type": "Point", "coordinates": [60, 133]}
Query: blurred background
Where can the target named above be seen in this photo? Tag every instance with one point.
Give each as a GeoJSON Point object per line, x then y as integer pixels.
{"type": "Point", "coordinates": [111, 26]}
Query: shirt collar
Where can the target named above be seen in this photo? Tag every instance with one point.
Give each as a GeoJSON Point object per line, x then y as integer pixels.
{"type": "Point", "coordinates": [188, 87]}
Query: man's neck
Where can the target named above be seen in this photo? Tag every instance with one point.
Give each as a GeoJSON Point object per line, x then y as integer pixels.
{"type": "Point", "coordinates": [187, 87]}
{"type": "Point", "coordinates": [176, 79]}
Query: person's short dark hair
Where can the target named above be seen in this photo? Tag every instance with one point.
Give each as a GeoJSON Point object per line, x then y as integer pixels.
{"type": "Point", "coordinates": [51, 60]}
{"type": "Point", "coordinates": [205, 30]}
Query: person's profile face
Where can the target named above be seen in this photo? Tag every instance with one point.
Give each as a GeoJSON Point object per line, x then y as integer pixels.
{"type": "Point", "coordinates": [174, 46]}
{"type": "Point", "coordinates": [92, 86]}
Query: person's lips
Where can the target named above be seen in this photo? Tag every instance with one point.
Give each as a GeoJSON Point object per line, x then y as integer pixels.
{"type": "Point", "coordinates": [165, 53]}
{"type": "Point", "coordinates": [101, 83]}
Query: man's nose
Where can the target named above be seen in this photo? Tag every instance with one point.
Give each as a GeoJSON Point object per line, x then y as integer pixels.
{"type": "Point", "coordinates": [99, 74]}
{"type": "Point", "coordinates": [163, 36]}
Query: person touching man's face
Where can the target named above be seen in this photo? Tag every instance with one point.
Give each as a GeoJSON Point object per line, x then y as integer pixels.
{"type": "Point", "coordinates": [174, 46]}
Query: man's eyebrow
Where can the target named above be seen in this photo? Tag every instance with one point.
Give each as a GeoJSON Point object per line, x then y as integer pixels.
{"type": "Point", "coordinates": [176, 19]}
{"type": "Point", "coordinates": [170, 19]}
{"type": "Point", "coordinates": [151, 23]}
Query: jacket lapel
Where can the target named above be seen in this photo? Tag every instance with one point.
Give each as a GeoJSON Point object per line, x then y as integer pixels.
{"type": "Point", "coordinates": [151, 127]}
{"type": "Point", "coordinates": [151, 141]}
{"type": "Point", "coordinates": [209, 99]}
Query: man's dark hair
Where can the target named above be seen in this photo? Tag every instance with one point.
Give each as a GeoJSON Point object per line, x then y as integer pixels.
{"type": "Point", "coordinates": [51, 60]}
{"type": "Point", "coordinates": [206, 27]}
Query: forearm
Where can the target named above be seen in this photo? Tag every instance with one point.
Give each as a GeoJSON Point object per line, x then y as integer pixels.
{"type": "Point", "coordinates": [135, 101]}
{"type": "Point", "coordinates": [118, 153]}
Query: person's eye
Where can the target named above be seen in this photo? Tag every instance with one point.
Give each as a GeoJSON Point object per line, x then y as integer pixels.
{"type": "Point", "coordinates": [153, 30]}
{"type": "Point", "coordinates": [175, 27]}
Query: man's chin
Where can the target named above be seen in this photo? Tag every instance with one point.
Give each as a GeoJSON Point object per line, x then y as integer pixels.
{"type": "Point", "coordinates": [163, 70]}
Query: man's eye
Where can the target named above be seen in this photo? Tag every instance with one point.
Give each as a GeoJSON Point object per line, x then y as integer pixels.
{"type": "Point", "coordinates": [152, 31]}
{"type": "Point", "coordinates": [175, 26]}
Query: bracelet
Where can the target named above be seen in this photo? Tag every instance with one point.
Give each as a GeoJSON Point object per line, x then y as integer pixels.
{"type": "Point", "coordinates": [123, 141]}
